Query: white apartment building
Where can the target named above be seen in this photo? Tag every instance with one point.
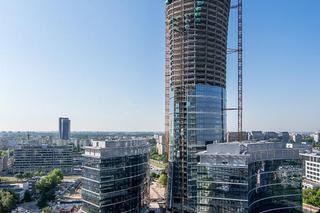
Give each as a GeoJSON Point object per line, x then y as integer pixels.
{"type": "Point", "coordinates": [311, 165]}
{"type": "Point", "coordinates": [160, 145]}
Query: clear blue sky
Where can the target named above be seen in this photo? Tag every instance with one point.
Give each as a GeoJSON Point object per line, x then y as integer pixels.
{"type": "Point", "coordinates": [101, 62]}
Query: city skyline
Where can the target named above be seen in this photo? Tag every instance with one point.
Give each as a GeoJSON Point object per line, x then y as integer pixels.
{"type": "Point", "coordinates": [55, 63]}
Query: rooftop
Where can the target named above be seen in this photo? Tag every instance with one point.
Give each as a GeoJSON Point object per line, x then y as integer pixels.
{"type": "Point", "coordinates": [116, 148]}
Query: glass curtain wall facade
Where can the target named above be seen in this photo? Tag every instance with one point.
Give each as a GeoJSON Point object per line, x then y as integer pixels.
{"type": "Point", "coordinates": [64, 128]}
{"type": "Point", "coordinates": [196, 47]}
{"type": "Point", "coordinates": [254, 178]}
{"type": "Point", "coordinates": [116, 178]}
{"type": "Point", "coordinates": [222, 183]}
{"type": "Point", "coordinates": [275, 186]}
{"type": "Point", "coordinates": [222, 188]}
{"type": "Point", "coordinates": [205, 125]}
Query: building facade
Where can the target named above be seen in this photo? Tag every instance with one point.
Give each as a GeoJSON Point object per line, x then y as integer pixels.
{"type": "Point", "coordinates": [233, 136]}
{"type": "Point", "coordinates": [316, 137]}
{"type": "Point", "coordinates": [249, 177]}
{"type": "Point", "coordinates": [297, 138]}
{"type": "Point", "coordinates": [115, 177]}
{"type": "Point", "coordinates": [3, 163]}
{"type": "Point", "coordinates": [271, 136]}
{"type": "Point", "coordinates": [284, 137]}
{"type": "Point", "coordinates": [311, 166]}
{"type": "Point", "coordinates": [196, 48]}
{"type": "Point", "coordinates": [64, 128]}
{"type": "Point", "coordinates": [160, 145]}
{"type": "Point", "coordinates": [28, 158]}
{"type": "Point", "coordinates": [256, 136]}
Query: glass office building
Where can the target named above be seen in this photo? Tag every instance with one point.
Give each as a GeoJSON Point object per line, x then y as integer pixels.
{"type": "Point", "coordinates": [249, 177]}
{"type": "Point", "coordinates": [116, 177]}
{"type": "Point", "coordinates": [195, 76]}
{"type": "Point", "coordinates": [64, 128]}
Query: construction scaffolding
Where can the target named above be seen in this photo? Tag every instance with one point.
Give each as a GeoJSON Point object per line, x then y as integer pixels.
{"type": "Point", "coordinates": [195, 90]}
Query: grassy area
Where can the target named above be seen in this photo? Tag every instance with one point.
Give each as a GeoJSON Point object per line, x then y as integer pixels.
{"type": "Point", "coordinates": [158, 164]}
{"type": "Point", "coordinates": [8, 179]}
{"type": "Point", "coordinates": [71, 177]}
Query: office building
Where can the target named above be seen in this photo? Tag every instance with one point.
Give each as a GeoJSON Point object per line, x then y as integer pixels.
{"type": "Point", "coordinates": [316, 137]}
{"type": "Point", "coordinates": [311, 167]}
{"type": "Point", "coordinates": [284, 137]}
{"type": "Point", "coordinates": [196, 48]}
{"type": "Point", "coordinates": [29, 158]}
{"type": "Point", "coordinates": [233, 136]}
{"type": "Point", "coordinates": [3, 163]}
{"type": "Point", "coordinates": [256, 136]}
{"type": "Point", "coordinates": [249, 177]}
{"type": "Point", "coordinates": [271, 136]}
{"type": "Point", "coordinates": [297, 138]}
{"type": "Point", "coordinates": [64, 128]}
{"type": "Point", "coordinates": [17, 189]}
{"type": "Point", "coordinates": [115, 176]}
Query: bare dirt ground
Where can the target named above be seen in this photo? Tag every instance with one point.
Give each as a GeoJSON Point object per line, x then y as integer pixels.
{"type": "Point", "coordinates": [156, 192]}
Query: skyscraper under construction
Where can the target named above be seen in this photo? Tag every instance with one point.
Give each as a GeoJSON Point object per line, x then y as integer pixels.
{"type": "Point", "coordinates": [196, 48]}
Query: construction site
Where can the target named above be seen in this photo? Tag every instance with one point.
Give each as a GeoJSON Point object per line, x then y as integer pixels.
{"type": "Point", "coordinates": [195, 78]}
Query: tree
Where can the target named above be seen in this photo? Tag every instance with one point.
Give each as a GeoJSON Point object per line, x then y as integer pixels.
{"type": "Point", "coordinates": [27, 196]}
{"type": "Point", "coordinates": [39, 173]}
{"type": "Point", "coordinates": [19, 176]}
{"type": "Point", "coordinates": [152, 142]}
{"type": "Point", "coordinates": [7, 200]}
{"type": "Point", "coordinates": [163, 179]}
{"type": "Point", "coordinates": [47, 186]}
{"type": "Point", "coordinates": [308, 139]}
{"type": "Point", "coordinates": [3, 153]}
{"type": "Point", "coordinates": [46, 210]}
{"type": "Point", "coordinates": [312, 197]}
{"type": "Point", "coordinates": [28, 175]}
{"type": "Point", "coordinates": [154, 175]}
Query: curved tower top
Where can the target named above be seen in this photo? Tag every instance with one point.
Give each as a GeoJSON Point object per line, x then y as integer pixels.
{"type": "Point", "coordinates": [197, 41]}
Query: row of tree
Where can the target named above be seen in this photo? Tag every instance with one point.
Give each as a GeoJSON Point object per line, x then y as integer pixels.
{"type": "Point", "coordinates": [28, 175]}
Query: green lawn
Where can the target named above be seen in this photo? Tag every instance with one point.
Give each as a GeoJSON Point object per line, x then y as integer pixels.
{"type": "Point", "coordinates": [8, 179]}
{"type": "Point", "coordinates": [71, 177]}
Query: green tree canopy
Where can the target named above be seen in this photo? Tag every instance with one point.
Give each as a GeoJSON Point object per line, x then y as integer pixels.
{"type": "Point", "coordinates": [47, 185]}
{"type": "Point", "coordinates": [7, 200]}
{"type": "Point", "coordinates": [46, 210]}
{"type": "Point", "coordinates": [163, 179]}
{"type": "Point", "coordinates": [312, 197]}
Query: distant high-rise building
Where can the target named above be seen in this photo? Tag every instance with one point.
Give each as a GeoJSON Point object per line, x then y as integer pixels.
{"type": "Point", "coordinates": [271, 135]}
{"type": "Point", "coordinates": [64, 128]}
{"type": "Point", "coordinates": [297, 138]}
{"type": "Point", "coordinates": [115, 176]}
{"type": "Point", "coordinates": [195, 77]}
{"type": "Point", "coordinates": [249, 177]}
{"type": "Point", "coordinates": [284, 137]}
{"type": "Point", "coordinates": [316, 137]}
{"type": "Point", "coordinates": [256, 136]}
{"type": "Point", "coordinates": [160, 145]}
